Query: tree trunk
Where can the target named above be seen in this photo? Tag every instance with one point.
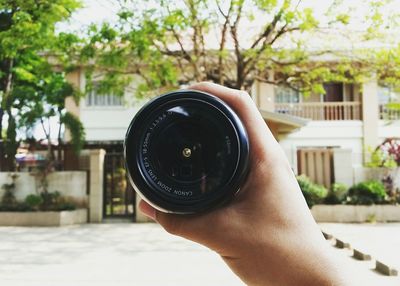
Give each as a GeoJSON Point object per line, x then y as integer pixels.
{"type": "Point", "coordinates": [59, 140]}
{"type": "Point", "coordinates": [1, 123]}
{"type": "Point", "coordinates": [10, 144]}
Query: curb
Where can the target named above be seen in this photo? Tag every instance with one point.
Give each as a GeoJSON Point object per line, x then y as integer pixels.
{"type": "Point", "coordinates": [327, 236]}
{"type": "Point", "coordinates": [385, 269]}
{"type": "Point", "coordinates": [357, 254]}
{"type": "Point", "coordinates": [342, 244]}
{"type": "Point", "coordinates": [380, 267]}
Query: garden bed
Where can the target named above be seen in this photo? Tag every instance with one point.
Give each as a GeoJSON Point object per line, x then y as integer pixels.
{"type": "Point", "coordinates": [41, 218]}
{"type": "Point", "coordinates": [356, 213]}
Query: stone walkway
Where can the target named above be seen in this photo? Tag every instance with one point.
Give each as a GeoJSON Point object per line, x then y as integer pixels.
{"type": "Point", "coordinates": [121, 254]}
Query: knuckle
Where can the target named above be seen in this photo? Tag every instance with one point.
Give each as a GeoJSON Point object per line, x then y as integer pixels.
{"type": "Point", "coordinates": [202, 85]}
{"type": "Point", "coordinates": [243, 97]}
{"type": "Point", "coordinates": [243, 94]}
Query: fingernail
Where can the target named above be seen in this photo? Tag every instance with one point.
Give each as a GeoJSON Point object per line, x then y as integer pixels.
{"type": "Point", "coordinates": [147, 210]}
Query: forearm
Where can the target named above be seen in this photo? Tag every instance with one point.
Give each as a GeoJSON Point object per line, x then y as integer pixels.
{"type": "Point", "coordinates": [297, 260]}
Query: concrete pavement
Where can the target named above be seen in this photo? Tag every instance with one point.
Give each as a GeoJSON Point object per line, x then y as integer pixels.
{"type": "Point", "coordinates": [124, 254]}
{"type": "Point", "coordinates": [106, 254]}
{"type": "Point", "coordinates": [381, 240]}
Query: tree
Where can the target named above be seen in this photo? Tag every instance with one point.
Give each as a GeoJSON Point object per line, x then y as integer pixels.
{"type": "Point", "coordinates": [169, 43]}
{"type": "Point", "coordinates": [44, 100]}
{"type": "Point", "coordinates": [27, 31]}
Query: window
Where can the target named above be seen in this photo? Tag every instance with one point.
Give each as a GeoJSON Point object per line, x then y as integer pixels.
{"type": "Point", "coordinates": [285, 94]}
{"type": "Point", "coordinates": [387, 95]}
{"type": "Point", "coordinates": [94, 99]}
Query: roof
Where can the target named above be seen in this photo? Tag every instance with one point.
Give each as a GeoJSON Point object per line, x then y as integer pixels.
{"type": "Point", "coordinates": [285, 123]}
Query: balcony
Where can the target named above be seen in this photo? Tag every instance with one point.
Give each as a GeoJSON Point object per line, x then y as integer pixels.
{"type": "Point", "coordinates": [389, 111]}
{"type": "Point", "coordinates": [350, 110]}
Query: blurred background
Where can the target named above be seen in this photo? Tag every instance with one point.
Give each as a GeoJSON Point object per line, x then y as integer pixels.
{"type": "Point", "coordinates": [325, 76]}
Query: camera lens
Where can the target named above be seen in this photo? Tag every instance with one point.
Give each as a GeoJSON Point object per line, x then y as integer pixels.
{"type": "Point", "coordinates": [186, 152]}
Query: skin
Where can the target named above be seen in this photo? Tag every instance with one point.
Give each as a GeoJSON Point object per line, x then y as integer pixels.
{"type": "Point", "coordinates": [266, 235]}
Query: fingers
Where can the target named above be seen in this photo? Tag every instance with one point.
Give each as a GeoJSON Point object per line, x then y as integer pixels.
{"type": "Point", "coordinates": [147, 210]}
{"type": "Point", "coordinates": [196, 228]}
{"type": "Point", "coordinates": [260, 136]}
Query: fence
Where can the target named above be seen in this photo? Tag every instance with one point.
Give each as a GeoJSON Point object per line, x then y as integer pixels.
{"type": "Point", "coordinates": [66, 158]}
{"type": "Point", "coordinates": [317, 164]}
{"type": "Point", "coordinates": [322, 110]}
{"type": "Point", "coordinates": [387, 112]}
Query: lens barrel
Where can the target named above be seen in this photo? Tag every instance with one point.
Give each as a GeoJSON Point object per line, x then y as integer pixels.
{"type": "Point", "coordinates": [186, 152]}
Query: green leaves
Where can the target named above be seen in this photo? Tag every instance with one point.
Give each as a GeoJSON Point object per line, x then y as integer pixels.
{"type": "Point", "coordinates": [24, 74]}
{"type": "Point", "coordinates": [343, 18]}
{"type": "Point", "coordinates": [308, 20]}
{"type": "Point", "coordinates": [267, 5]}
{"type": "Point", "coordinates": [77, 131]}
{"type": "Point", "coordinates": [31, 90]}
{"type": "Point", "coordinates": [168, 43]}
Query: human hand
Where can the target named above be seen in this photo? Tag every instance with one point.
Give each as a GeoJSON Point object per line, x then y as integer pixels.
{"type": "Point", "coordinates": [266, 234]}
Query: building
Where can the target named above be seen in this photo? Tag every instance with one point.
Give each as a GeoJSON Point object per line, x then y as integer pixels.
{"type": "Point", "coordinates": [332, 146]}
{"type": "Point", "coordinates": [324, 136]}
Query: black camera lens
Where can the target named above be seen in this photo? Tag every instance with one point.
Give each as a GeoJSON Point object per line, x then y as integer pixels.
{"type": "Point", "coordinates": [186, 152]}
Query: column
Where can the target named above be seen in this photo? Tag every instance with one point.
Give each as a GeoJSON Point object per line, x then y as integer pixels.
{"type": "Point", "coordinates": [96, 185]}
{"type": "Point", "coordinates": [370, 114]}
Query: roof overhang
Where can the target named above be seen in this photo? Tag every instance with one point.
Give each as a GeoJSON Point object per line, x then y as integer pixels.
{"type": "Point", "coordinates": [282, 124]}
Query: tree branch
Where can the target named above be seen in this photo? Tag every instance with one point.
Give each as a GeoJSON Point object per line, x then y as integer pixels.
{"type": "Point", "coordinates": [268, 30]}
{"type": "Point", "coordinates": [239, 56]}
{"type": "Point", "coordinates": [223, 39]}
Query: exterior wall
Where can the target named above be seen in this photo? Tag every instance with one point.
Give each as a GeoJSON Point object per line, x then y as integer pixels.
{"type": "Point", "coordinates": [106, 124]}
{"type": "Point", "coordinates": [103, 123]}
{"type": "Point", "coordinates": [343, 166]}
{"type": "Point", "coordinates": [69, 183]}
{"type": "Point", "coordinates": [388, 129]}
{"type": "Point", "coordinates": [342, 134]}
{"type": "Point", "coordinates": [263, 94]}
{"type": "Point", "coordinates": [62, 218]}
{"type": "Point", "coordinates": [361, 174]}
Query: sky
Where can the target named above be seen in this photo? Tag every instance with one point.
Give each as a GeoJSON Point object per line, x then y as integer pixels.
{"type": "Point", "coordinates": [105, 10]}
{"type": "Point", "coordinates": [98, 11]}
{"type": "Point", "coordinates": [92, 12]}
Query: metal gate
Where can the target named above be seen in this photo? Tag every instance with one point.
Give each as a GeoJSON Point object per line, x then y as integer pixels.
{"type": "Point", "coordinates": [119, 196]}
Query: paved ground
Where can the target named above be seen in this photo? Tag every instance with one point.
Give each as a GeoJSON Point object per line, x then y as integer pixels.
{"type": "Point", "coordinates": [381, 240]}
{"type": "Point", "coordinates": [124, 254]}
{"type": "Point", "coordinates": [106, 254]}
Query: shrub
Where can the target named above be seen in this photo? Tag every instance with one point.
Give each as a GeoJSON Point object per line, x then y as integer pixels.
{"type": "Point", "coordinates": [66, 206]}
{"type": "Point", "coordinates": [386, 154]}
{"type": "Point", "coordinates": [8, 198]}
{"type": "Point", "coordinates": [312, 192]}
{"type": "Point", "coordinates": [33, 201]}
{"type": "Point", "coordinates": [337, 194]}
{"type": "Point", "coordinates": [50, 200]}
{"type": "Point", "coordinates": [47, 201]}
{"type": "Point", "coordinates": [367, 193]}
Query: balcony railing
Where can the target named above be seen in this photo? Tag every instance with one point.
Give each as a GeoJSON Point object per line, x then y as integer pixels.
{"type": "Point", "coordinates": [389, 111]}
{"type": "Point", "coordinates": [322, 110]}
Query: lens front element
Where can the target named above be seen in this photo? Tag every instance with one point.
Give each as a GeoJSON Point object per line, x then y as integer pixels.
{"type": "Point", "coordinates": [185, 151]}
